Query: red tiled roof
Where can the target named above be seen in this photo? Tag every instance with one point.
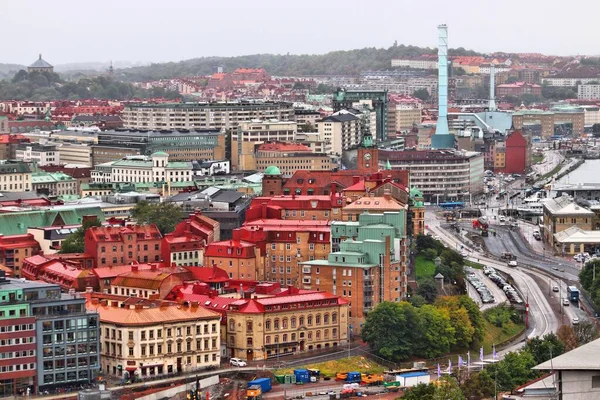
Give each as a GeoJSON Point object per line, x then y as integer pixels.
{"type": "Point", "coordinates": [111, 272]}
{"type": "Point", "coordinates": [18, 241]}
{"type": "Point", "coordinates": [282, 146]}
{"type": "Point", "coordinates": [150, 316]}
{"type": "Point", "coordinates": [209, 274]}
{"type": "Point", "coordinates": [113, 233]}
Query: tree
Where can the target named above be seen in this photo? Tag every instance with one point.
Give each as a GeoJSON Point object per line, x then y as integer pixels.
{"type": "Point", "coordinates": [475, 316]}
{"type": "Point", "coordinates": [567, 336]}
{"type": "Point", "coordinates": [428, 290]}
{"type": "Point", "coordinates": [421, 94]}
{"type": "Point", "coordinates": [420, 392]}
{"type": "Point", "coordinates": [511, 79]}
{"type": "Point", "coordinates": [479, 385]}
{"type": "Point", "coordinates": [448, 389]}
{"type": "Point", "coordinates": [437, 334]}
{"type": "Point", "coordinates": [543, 349]}
{"type": "Point", "coordinates": [417, 300]}
{"type": "Point", "coordinates": [585, 331]}
{"type": "Point", "coordinates": [430, 254]}
{"type": "Point", "coordinates": [514, 370]}
{"type": "Point", "coordinates": [75, 242]}
{"type": "Point", "coordinates": [165, 215]}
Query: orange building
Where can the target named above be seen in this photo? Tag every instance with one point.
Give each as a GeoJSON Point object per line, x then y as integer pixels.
{"type": "Point", "coordinates": [110, 245]}
{"type": "Point", "coordinates": [14, 249]}
{"type": "Point", "coordinates": [186, 244]}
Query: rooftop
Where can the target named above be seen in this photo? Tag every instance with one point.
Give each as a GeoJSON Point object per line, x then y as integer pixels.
{"type": "Point", "coordinates": [577, 235]}
{"type": "Point", "coordinates": [151, 316]}
{"type": "Point", "coordinates": [581, 358]}
{"type": "Point", "coordinates": [565, 206]}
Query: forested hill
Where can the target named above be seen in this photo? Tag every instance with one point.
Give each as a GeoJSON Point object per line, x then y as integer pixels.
{"type": "Point", "coordinates": [349, 62]}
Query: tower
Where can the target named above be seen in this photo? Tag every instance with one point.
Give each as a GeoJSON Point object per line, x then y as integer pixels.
{"type": "Point", "coordinates": [367, 155]}
{"type": "Point", "coordinates": [492, 101]}
{"type": "Point", "coordinates": [442, 138]}
{"type": "Point", "coordinates": [111, 70]}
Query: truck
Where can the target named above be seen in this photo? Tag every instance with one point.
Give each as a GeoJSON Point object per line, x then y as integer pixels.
{"type": "Point", "coordinates": [508, 256]}
{"type": "Point", "coordinates": [263, 383]}
{"type": "Point", "coordinates": [254, 392]}
{"type": "Point", "coordinates": [573, 294]}
{"type": "Point", "coordinates": [482, 225]}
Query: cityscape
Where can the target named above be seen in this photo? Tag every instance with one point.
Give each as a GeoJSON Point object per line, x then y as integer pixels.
{"type": "Point", "coordinates": [391, 222]}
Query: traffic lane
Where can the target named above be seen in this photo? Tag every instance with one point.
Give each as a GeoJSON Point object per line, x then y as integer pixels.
{"type": "Point", "coordinates": [499, 295]}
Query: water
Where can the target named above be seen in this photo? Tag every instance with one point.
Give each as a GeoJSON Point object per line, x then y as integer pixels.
{"type": "Point", "coordinates": [588, 172]}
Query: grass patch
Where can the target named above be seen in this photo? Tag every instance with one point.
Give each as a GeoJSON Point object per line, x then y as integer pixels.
{"type": "Point", "coordinates": [537, 158]}
{"type": "Point", "coordinates": [424, 268]}
{"type": "Point", "coordinates": [330, 368]}
{"type": "Point", "coordinates": [474, 264]}
{"type": "Point", "coordinates": [502, 324]}
{"type": "Point", "coordinates": [551, 173]}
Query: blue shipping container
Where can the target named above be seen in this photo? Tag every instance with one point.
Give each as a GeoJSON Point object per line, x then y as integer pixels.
{"type": "Point", "coordinates": [264, 383]}
{"type": "Point", "coordinates": [353, 377]}
{"type": "Point", "coordinates": [302, 375]}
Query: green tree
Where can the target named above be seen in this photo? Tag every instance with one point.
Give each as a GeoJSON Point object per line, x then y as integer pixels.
{"type": "Point", "coordinates": [543, 349]}
{"type": "Point", "coordinates": [430, 254]}
{"type": "Point", "coordinates": [417, 300]}
{"type": "Point", "coordinates": [422, 94]}
{"type": "Point", "coordinates": [75, 242]}
{"type": "Point", "coordinates": [514, 370]}
{"type": "Point", "coordinates": [585, 331]}
{"type": "Point", "coordinates": [428, 290]}
{"type": "Point", "coordinates": [448, 389]}
{"type": "Point", "coordinates": [475, 316]}
{"type": "Point", "coordinates": [165, 215]}
{"type": "Point", "coordinates": [479, 385]}
{"type": "Point", "coordinates": [420, 392]}
{"type": "Point", "coordinates": [437, 334]}
{"type": "Point", "coordinates": [391, 330]}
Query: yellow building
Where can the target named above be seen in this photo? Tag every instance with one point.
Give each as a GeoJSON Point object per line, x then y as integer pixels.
{"type": "Point", "coordinates": [15, 176]}
{"type": "Point", "coordinates": [154, 338]}
{"type": "Point", "coordinates": [561, 214]}
{"type": "Point", "coordinates": [291, 157]}
{"type": "Point", "coordinates": [262, 328]}
{"type": "Point", "coordinates": [252, 134]}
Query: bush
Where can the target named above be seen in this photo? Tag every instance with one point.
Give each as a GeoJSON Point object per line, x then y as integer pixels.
{"type": "Point", "coordinates": [501, 315]}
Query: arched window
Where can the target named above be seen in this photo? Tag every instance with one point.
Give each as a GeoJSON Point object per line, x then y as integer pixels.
{"type": "Point", "coordinates": [334, 333]}
{"type": "Point", "coordinates": [284, 323]}
{"type": "Point", "coordinates": [318, 319]}
{"type": "Point", "coordinates": [285, 338]}
{"type": "Point", "coordinates": [326, 319]}
{"type": "Point", "coordinates": [249, 342]}
{"type": "Point", "coordinates": [276, 324]}
{"type": "Point", "coordinates": [301, 320]}
{"type": "Point", "coordinates": [248, 326]}
{"type": "Point", "coordinates": [268, 324]}
{"type": "Point", "coordinates": [267, 339]}
{"type": "Point", "coordinates": [318, 335]}
{"type": "Point", "coordinates": [293, 322]}
{"type": "Point", "coordinates": [276, 338]}
{"type": "Point", "coordinates": [310, 319]}
{"type": "Point", "coordinates": [334, 318]}
{"type": "Point", "coordinates": [309, 335]}
{"type": "Point", "coordinates": [326, 333]}
{"type": "Point", "coordinates": [293, 337]}
{"type": "Point", "coordinates": [231, 325]}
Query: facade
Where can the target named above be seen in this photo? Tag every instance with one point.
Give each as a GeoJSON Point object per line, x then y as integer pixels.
{"type": "Point", "coordinates": [165, 338]}
{"type": "Point", "coordinates": [345, 99]}
{"type": "Point", "coordinates": [14, 249]}
{"type": "Point", "coordinates": [54, 183]}
{"type": "Point", "coordinates": [440, 174]}
{"type": "Point", "coordinates": [212, 167]}
{"type": "Point", "coordinates": [425, 61]}
{"type": "Point", "coordinates": [562, 213]}
{"type": "Point", "coordinates": [252, 134]}
{"type": "Point", "coordinates": [588, 92]}
{"type": "Point", "coordinates": [340, 131]}
{"type": "Point", "coordinates": [186, 244]}
{"type": "Point", "coordinates": [75, 153]}
{"type": "Point", "coordinates": [548, 120]}
{"type": "Point", "coordinates": [41, 154]}
{"type": "Point", "coordinates": [291, 157]}
{"type": "Point", "coordinates": [50, 238]}
{"type": "Point", "coordinates": [215, 116]}
{"type": "Point", "coordinates": [15, 176]}
{"type": "Point", "coordinates": [155, 283]}
{"type": "Point", "coordinates": [40, 65]}
{"type": "Point", "coordinates": [182, 145]}
{"type": "Point", "coordinates": [514, 154]}
{"type": "Point", "coordinates": [263, 328]}
{"type": "Point", "coordinates": [518, 89]}
{"type": "Point", "coordinates": [110, 245]}
{"type": "Point", "coordinates": [9, 143]}
{"type": "Point", "coordinates": [156, 168]}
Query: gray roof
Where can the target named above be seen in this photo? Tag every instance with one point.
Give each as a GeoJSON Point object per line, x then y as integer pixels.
{"type": "Point", "coordinates": [582, 358]}
{"type": "Point", "coordinates": [227, 196]}
{"type": "Point", "coordinates": [340, 118]}
{"type": "Point", "coordinates": [565, 206]}
{"type": "Point", "coordinates": [40, 63]}
{"type": "Point", "coordinates": [11, 196]}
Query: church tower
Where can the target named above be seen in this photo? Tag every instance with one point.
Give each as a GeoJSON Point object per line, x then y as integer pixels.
{"type": "Point", "coordinates": [367, 155]}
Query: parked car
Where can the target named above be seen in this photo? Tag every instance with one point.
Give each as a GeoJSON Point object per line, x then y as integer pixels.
{"type": "Point", "coordinates": [512, 263]}
{"type": "Point", "coordinates": [555, 288]}
{"type": "Point", "coordinates": [575, 320]}
{"type": "Point", "coordinates": [236, 362]}
{"type": "Point", "coordinates": [565, 302]}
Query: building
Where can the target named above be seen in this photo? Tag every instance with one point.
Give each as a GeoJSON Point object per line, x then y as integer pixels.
{"type": "Point", "coordinates": [99, 120]}
{"type": "Point", "coordinates": [263, 328]}
{"type": "Point", "coordinates": [14, 249]}
{"type": "Point", "coordinates": [154, 169]}
{"type": "Point", "coordinates": [41, 154]}
{"type": "Point", "coordinates": [9, 144]}
{"type": "Point", "coordinates": [72, 272]}
{"type": "Point", "coordinates": [345, 99]}
{"type": "Point", "coordinates": [290, 157]}
{"type": "Point", "coordinates": [82, 175]}
{"type": "Point", "coordinates": [424, 61]}
{"type": "Point", "coordinates": [40, 65]}
{"type": "Point", "coordinates": [110, 245]}
{"type": "Point", "coordinates": [575, 373]}
{"type": "Point", "coordinates": [572, 118]}
{"type": "Point", "coordinates": [211, 167]}
{"type": "Point", "coordinates": [306, 117]}
{"type": "Point", "coordinates": [186, 244]}
{"type": "Point", "coordinates": [15, 221]}
{"type": "Point", "coordinates": [214, 116]}
{"type": "Point", "coordinates": [182, 145]}
{"type": "Point", "coordinates": [588, 92]}
{"type": "Point", "coordinates": [440, 174]}
{"type": "Point", "coordinates": [560, 214]}
{"type": "Point", "coordinates": [155, 283]}
{"type": "Point", "coordinates": [50, 238]}
{"type": "Point", "coordinates": [367, 264]}
{"type": "Point", "coordinates": [54, 183]}
{"type": "Point", "coordinates": [15, 176]}
{"type": "Point", "coordinates": [252, 134]}
{"type": "Point", "coordinates": [340, 131]}
{"type": "Point", "coordinates": [75, 154]}
{"type": "Point", "coordinates": [513, 156]}
{"type": "Point", "coordinates": [145, 339]}
{"type": "Point", "coordinates": [518, 89]}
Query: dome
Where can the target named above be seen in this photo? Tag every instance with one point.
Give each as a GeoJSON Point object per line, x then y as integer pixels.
{"type": "Point", "coordinates": [415, 193]}
{"type": "Point", "coordinates": [272, 170]}
{"type": "Point", "coordinates": [419, 204]}
{"type": "Point", "coordinates": [159, 154]}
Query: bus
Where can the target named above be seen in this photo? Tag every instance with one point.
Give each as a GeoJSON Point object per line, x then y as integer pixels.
{"type": "Point", "coordinates": [451, 205]}
{"type": "Point", "coordinates": [573, 294]}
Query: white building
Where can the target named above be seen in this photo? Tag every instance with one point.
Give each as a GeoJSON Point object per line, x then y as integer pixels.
{"type": "Point", "coordinates": [138, 169]}
{"type": "Point", "coordinates": [42, 154]}
{"type": "Point", "coordinates": [209, 168]}
{"type": "Point", "coordinates": [421, 62]}
{"type": "Point", "coordinates": [340, 131]}
{"type": "Point", "coordinates": [75, 153]}
{"type": "Point", "coordinates": [591, 115]}
{"type": "Point", "coordinates": [588, 92]}
{"type": "Point", "coordinates": [568, 82]}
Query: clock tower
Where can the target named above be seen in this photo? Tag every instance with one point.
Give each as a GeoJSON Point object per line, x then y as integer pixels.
{"type": "Point", "coordinates": [367, 155]}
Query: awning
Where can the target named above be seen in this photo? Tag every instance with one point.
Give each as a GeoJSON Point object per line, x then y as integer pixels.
{"type": "Point", "coordinates": [130, 369]}
{"type": "Point", "coordinates": [152, 365]}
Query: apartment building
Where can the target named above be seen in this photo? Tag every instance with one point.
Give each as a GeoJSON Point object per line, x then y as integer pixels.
{"type": "Point", "coordinates": [562, 213]}
{"type": "Point", "coordinates": [149, 283]}
{"type": "Point", "coordinates": [41, 154]}
{"type": "Point", "coordinates": [75, 153]}
{"type": "Point", "coordinates": [264, 328]}
{"type": "Point", "coordinates": [440, 174]}
{"type": "Point", "coordinates": [142, 169]}
{"type": "Point", "coordinates": [252, 134]}
{"type": "Point", "coordinates": [290, 157]}
{"type": "Point", "coordinates": [425, 61]}
{"type": "Point", "coordinates": [548, 120]}
{"type": "Point", "coordinates": [15, 176]}
{"type": "Point", "coordinates": [340, 131]}
{"type": "Point", "coordinates": [14, 249]}
{"type": "Point", "coordinates": [54, 183]}
{"type": "Point", "coordinates": [186, 244]}
{"type": "Point", "coordinates": [215, 116]}
{"type": "Point", "coordinates": [588, 92]}
{"type": "Point", "coordinates": [182, 145]}
{"type": "Point", "coordinates": [9, 143]}
{"type": "Point", "coordinates": [153, 338]}
{"type": "Point", "coordinates": [110, 245]}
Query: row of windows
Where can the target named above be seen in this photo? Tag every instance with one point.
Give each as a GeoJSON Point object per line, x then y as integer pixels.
{"type": "Point", "coordinates": [16, 328]}
{"type": "Point", "coordinates": [114, 248]}
{"type": "Point", "coordinates": [283, 323]}
{"type": "Point", "coordinates": [68, 377]}
{"type": "Point", "coordinates": [158, 333]}
{"type": "Point", "coordinates": [17, 354]}
{"type": "Point", "coordinates": [15, 341]}
{"type": "Point", "coordinates": [17, 367]}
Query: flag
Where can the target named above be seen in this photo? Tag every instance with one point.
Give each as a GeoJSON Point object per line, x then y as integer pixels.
{"type": "Point", "coordinates": [468, 358]}
{"type": "Point", "coordinates": [494, 355]}
{"type": "Point", "coordinates": [481, 354]}
{"type": "Point", "coordinates": [439, 371]}
{"type": "Point", "coordinates": [449, 366]}
{"type": "Point", "coordinates": [460, 361]}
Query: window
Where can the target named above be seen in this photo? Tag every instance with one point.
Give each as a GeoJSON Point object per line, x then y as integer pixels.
{"type": "Point", "coordinates": [596, 381]}
{"type": "Point", "coordinates": [231, 325]}
{"type": "Point", "coordinates": [293, 322]}
{"type": "Point", "coordinates": [249, 342]}
{"type": "Point", "coordinates": [310, 320]}
{"type": "Point", "coordinates": [334, 318]}
{"type": "Point", "coordinates": [268, 324]}
{"type": "Point", "coordinates": [131, 351]}
{"type": "Point", "coordinates": [248, 326]}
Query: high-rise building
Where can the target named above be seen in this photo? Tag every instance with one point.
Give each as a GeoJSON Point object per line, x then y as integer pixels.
{"type": "Point", "coordinates": [345, 99]}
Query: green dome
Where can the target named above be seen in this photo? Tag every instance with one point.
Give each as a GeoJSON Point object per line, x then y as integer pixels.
{"type": "Point", "coordinates": [419, 204]}
{"type": "Point", "coordinates": [272, 170]}
{"type": "Point", "coordinates": [160, 154]}
{"type": "Point", "coordinates": [415, 193]}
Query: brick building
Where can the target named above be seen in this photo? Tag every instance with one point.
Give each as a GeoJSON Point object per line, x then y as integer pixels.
{"type": "Point", "coordinates": [518, 89]}
{"type": "Point", "coordinates": [14, 249]}
{"type": "Point", "coordinates": [110, 245]}
{"type": "Point", "coordinates": [186, 244]}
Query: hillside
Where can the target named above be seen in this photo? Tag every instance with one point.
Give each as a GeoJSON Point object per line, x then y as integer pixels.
{"type": "Point", "coordinates": [8, 70]}
{"type": "Point", "coordinates": [349, 62]}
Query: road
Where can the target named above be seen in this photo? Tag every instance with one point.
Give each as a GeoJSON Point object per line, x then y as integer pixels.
{"type": "Point", "coordinates": [499, 295]}
{"type": "Point", "coordinates": [551, 159]}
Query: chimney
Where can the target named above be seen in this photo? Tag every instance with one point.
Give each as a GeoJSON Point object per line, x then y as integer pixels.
{"type": "Point", "coordinates": [153, 267]}
{"type": "Point", "coordinates": [139, 306]}
{"type": "Point", "coordinates": [104, 302]}
{"type": "Point", "coordinates": [442, 138]}
{"type": "Point", "coordinates": [89, 289]}
{"type": "Point", "coordinates": [492, 101]}
{"type": "Point", "coordinates": [134, 268]}
{"type": "Point", "coordinates": [387, 195]}
{"type": "Point", "coordinates": [95, 301]}
{"type": "Point", "coordinates": [195, 304]}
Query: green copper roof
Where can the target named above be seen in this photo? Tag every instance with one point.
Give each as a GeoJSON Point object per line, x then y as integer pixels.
{"type": "Point", "coordinates": [388, 165]}
{"type": "Point", "coordinates": [159, 154]}
{"type": "Point", "coordinates": [272, 170]}
{"type": "Point", "coordinates": [16, 223]}
{"type": "Point", "coordinates": [415, 193]}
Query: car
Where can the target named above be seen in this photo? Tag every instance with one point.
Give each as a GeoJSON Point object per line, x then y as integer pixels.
{"type": "Point", "coordinates": [436, 237]}
{"type": "Point", "coordinates": [236, 362]}
{"type": "Point", "coordinates": [575, 320]}
{"type": "Point", "coordinates": [512, 263]}
{"type": "Point", "coordinates": [555, 288]}
{"type": "Point", "coordinates": [555, 268]}
{"type": "Point", "coordinates": [502, 218]}
{"type": "Point", "coordinates": [565, 302]}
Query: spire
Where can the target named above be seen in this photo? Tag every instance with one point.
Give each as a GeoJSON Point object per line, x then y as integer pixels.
{"type": "Point", "coordinates": [388, 165]}
{"type": "Point", "coordinates": [40, 56]}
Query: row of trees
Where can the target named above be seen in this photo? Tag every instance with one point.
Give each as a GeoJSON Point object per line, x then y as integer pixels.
{"type": "Point", "coordinates": [42, 86]}
{"type": "Point", "coordinates": [397, 331]}
{"type": "Point", "coordinates": [589, 277]}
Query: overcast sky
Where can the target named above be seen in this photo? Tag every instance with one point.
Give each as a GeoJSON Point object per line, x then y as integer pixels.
{"type": "Point", "coordinates": [156, 30]}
